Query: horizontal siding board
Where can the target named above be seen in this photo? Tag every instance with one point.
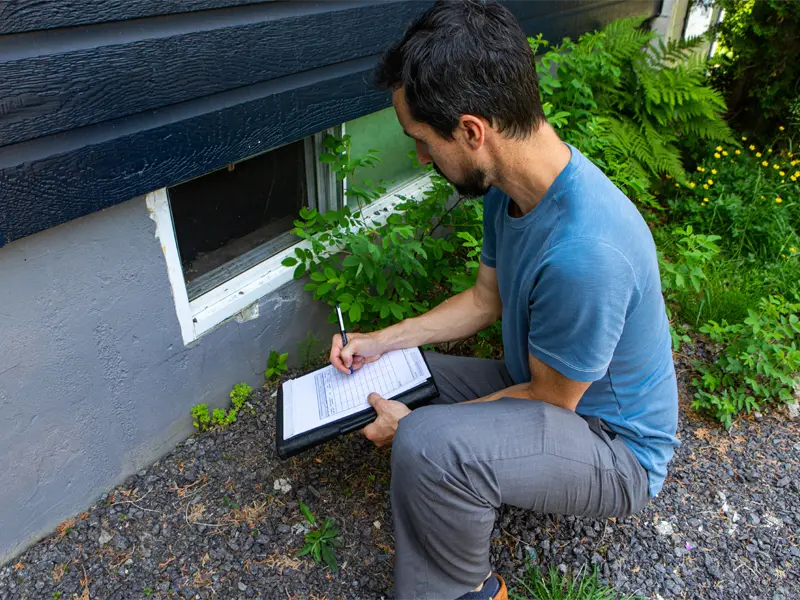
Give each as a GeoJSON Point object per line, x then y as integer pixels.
{"type": "Point", "coordinates": [584, 18]}
{"type": "Point", "coordinates": [42, 95]}
{"type": "Point", "coordinates": [44, 192]}
{"type": "Point", "coordinates": [18, 16]}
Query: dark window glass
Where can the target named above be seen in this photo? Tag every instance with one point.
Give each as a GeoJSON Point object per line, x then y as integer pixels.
{"type": "Point", "coordinates": [232, 219]}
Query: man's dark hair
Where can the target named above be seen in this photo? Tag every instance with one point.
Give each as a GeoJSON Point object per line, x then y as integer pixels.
{"type": "Point", "coordinates": [466, 57]}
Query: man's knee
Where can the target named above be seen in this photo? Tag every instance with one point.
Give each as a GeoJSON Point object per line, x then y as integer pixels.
{"type": "Point", "coordinates": [421, 442]}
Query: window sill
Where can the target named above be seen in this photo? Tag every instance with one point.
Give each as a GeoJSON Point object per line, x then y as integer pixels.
{"type": "Point", "coordinates": [205, 312]}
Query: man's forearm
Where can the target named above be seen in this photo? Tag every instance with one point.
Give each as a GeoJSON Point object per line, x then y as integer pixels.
{"type": "Point", "coordinates": [456, 318]}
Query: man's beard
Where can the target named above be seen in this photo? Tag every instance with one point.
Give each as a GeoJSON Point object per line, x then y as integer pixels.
{"type": "Point", "coordinates": [473, 186]}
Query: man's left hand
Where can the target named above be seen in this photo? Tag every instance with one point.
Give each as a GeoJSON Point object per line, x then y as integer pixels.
{"type": "Point", "coordinates": [381, 430]}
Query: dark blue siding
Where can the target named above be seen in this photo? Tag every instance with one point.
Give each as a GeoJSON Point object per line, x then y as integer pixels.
{"type": "Point", "coordinates": [94, 114]}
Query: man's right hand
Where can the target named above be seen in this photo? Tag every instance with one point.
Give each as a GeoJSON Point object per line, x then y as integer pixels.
{"type": "Point", "coordinates": [362, 348]}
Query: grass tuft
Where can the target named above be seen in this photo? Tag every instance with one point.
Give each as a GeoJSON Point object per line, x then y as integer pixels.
{"type": "Point", "coordinates": [556, 586]}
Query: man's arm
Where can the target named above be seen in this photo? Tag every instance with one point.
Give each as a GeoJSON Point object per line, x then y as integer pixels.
{"type": "Point", "coordinates": [546, 385]}
{"type": "Point", "coordinates": [456, 318]}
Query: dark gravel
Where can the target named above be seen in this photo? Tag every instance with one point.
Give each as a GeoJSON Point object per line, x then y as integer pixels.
{"type": "Point", "coordinates": [219, 518]}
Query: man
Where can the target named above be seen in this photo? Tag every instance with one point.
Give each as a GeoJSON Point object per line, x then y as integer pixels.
{"type": "Point", "coordinates": [581, 416]}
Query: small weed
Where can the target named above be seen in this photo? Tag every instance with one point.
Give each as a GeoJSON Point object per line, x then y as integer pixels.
{"type": "Point", "coordinates": [220, 417]}
{"type": "Point", "coordinates": [122, 517]}
{"type": "Point", "coordinates": [202, 420]}
{"type": "Point", "coordinates": [239, 395]}
{"type": "Point", "coordinates": [147, 591]}
{"type": "Point", "coordinates": [255, 533]}
{"type": "Point", "coordinates": [307, 349]}
{"type": "Point", "coordinates": [230, 503]}
{"type": "Point", "coordinates": [56, 595]}
{"type": "Point", "coordinates": [276, 365]}
{"type": "Point", "coordinates": [320, 541]}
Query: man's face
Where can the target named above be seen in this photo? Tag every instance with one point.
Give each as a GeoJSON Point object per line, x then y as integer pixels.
{"type": "Point", "coordinates": [450, 158]}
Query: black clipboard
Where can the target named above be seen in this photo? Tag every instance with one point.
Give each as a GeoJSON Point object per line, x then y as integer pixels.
{"type": "Point", "coordinates": [413, 398]}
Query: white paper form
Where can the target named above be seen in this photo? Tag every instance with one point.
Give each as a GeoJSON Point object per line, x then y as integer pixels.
{"type": "Point", "coordinates": [328, 395]}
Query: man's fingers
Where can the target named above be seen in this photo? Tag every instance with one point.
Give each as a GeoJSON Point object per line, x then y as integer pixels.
{"type": "Point", "coordinates": [376, 401]}
{"type": "Point", "coordinates": [336, 354]}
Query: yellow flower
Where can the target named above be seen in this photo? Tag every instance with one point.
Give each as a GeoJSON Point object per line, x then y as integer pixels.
{"type": "Point", "coordinates": [763, 198]}
{"type": "Point", "coordinates": [716, 154]}
{"type": "Point", "coordinates": [710, 182]}
{"type": "Point", "coordinates": [790, 155]}
{"type": "Point", "coordinates": [701, 169]}
{"type": "Point", "coordinates": [705, 186]}
{"type": "Point", "coordinates": [769, 150]}
{"type": "Point", "coordinates": [752, 147]}
{"type": "Point", "coordinates": [781, 173]}
{"type": "Point", "coordinates": [744, 138]}
{"type": "Point", "coordinates": [781, 128]}
{"type": "Point", "coordinates": [738, 151]}
{"type": "Point", "coordinates": [792, 250]}
{"type": "Point", "coordinates": [764, 163]}
{"type": "Point", "coordinates": [713, 171]}
{"type": "Point", "coordinates": [691, 185]}
{"type": "Point", "coordinates": [724, 153]}
{"type": "Point", "coordinates": [776, 166]}
{"type": "Point", "coordinates": [778, 199]}
{"type": "Point", "coordinates": [676, 185]}
{"type": "Point", "coordinates": [705, 199]}
{"type": "Point", "coordinates": [797, 173]}
{"type": "Point", "coordinates": [719, 148]}
{"type": "Point", "coordinates": [758, 154]}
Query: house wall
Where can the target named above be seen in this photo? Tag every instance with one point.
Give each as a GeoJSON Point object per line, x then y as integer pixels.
{"type": "Point", "coordinates": [95, 382]}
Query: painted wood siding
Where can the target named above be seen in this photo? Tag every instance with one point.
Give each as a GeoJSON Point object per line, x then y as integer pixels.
{"type": "Point", "coordinates": [102, 101]}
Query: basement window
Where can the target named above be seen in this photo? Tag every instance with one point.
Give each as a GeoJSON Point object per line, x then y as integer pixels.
{"type": "Point", "coordinates": [224, 234]}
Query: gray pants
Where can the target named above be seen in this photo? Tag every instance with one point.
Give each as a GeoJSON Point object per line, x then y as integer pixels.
{"type": "Point", "coordinates": [453, 466]}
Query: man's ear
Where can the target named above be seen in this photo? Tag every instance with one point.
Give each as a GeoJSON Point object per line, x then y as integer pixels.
{"type": "Point", "coordinates": [473, 130]}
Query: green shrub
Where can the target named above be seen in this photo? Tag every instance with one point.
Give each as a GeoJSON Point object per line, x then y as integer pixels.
{"type": "Point", "coordinates": [381, 273]}
{"type": "Point", "coordinates": [685, 275]}
{"type": "Point", "coordinates": [748, 195]}
{"type": "Point", "coordinates": [626, 108]}
{"type": "Point", "coordinates": [756, 65]}
{"type": "Point", "coordinates": [754, 361]}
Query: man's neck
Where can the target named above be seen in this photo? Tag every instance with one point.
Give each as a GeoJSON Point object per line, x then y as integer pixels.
{"type": "Point", "coordinates": [526, 169]}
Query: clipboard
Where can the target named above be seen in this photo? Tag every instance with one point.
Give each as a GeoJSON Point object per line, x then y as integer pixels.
{"type": "Point", "coordinates": [418, 396]}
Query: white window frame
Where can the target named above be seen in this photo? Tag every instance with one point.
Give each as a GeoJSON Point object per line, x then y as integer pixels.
{"type": "Point", "coordinates": [216, 306]}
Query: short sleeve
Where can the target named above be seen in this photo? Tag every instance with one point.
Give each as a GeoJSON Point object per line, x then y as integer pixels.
{"type": "Point", "coordinates": [578, 306]}
{"type": "Point", "coordinates": [491, 205]}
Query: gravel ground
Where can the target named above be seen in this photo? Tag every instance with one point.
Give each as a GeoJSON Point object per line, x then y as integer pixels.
{"type": "Point", "coordinates": [219, 518]}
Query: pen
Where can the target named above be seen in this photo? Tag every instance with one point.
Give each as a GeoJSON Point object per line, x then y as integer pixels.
{"type": "Point", "coordinates": [344, 333]}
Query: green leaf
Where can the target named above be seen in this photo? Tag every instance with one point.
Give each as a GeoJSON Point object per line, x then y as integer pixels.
{"type": "Point", "coordinates": [355, 313]}
{"type": "Point", "coordinates": [289, 261]}
{"type": "Point", "coordinates": [318, 277]}
{"type": "Point", "coordinates": [351, 260]}
{"type": "Point", "coordinates": [307, 513]}
{"type": "Point", "coordinates": [299, 271]}
{"type": "Point", "coordinates": [329, 557]}
{"type": "Point", "coordinates": [327, 158]}
{"type": "Point", "coordinates": [305, 550]}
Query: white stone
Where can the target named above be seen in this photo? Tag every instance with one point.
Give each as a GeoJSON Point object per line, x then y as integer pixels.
{"type": "Point", "coordinates": [105, 537]}
{"type": "Point", "coordinates": [665, 528]}
{"type": "Point", "coordinates": [282, 485]}
{"type": "Point", "coordinates": [377, 524]}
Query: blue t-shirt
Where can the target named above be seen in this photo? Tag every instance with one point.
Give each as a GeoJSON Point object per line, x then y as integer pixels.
{"type": "Point", "coordinates": [581, 292]}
